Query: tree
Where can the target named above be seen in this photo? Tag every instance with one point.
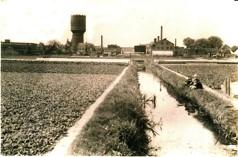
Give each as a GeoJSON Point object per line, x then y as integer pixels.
{"type": "Point", "coordinates": [54, 47]}
{"type": "Point", "coordinates": [42, 48]}
{"type": "Point", "coordinates": [234, 48]}
{"type": "Point", "coordinates": [215, 42]}
{"type": "Point", "coordinates": [202, 43]}
{"type": "Point", "coordinates": [225, 50]}
{"type": "Point", "coordinates": [188, 42]}
{"type": "Point", "coordinates": [67, 46]}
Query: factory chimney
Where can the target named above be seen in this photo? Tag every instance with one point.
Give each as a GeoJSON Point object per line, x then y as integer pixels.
{"type": "Point", "coordinates": [161, 32]}
{"type": "Point", "coordinates": [175, 43]}
{"type": "Point", "coordinates": [154, 40]}
{"type": "Point", "coordinates": [102, 43]}
{"type": "Point", "coordinates": [158, 38]}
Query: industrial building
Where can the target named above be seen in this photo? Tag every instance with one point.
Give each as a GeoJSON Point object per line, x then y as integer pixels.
{"type": "Point", "coordinates": [140, 49]}
{"type": "Point", "coordinates": [18, 48]}
{"type": "Point", "coordinates": [112, 50]}
{"type": "Point", "coordinates": [161, 46]}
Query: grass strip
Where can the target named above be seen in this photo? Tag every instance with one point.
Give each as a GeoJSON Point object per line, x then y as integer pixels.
{"type": "Point", "coordinates": [216, 114]}
{"type": "Point", "coordinates": [119, 125]}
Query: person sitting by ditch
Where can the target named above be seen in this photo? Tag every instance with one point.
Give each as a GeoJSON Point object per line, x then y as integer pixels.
{"type": "Point", "coordinates": [196, 84]}
{"type": "Point", "coordinates": [188, 82]}
{"type": "Point", "coordinates": [193, 82]}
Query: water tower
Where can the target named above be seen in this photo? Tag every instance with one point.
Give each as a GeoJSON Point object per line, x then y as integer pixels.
{"type": "Point", "coordinates": [78, 27]}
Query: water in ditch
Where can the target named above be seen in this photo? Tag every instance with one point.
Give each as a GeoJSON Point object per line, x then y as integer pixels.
{"type": "Point", "coordinates": [181, 134]}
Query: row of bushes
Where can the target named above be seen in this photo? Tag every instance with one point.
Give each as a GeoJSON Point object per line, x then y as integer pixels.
{"type": "Point", "coordinates": [61, 67]}
{"type": "Point", "coordinates": [119, 125]}
{"type": "Point", "coordinates": [220, 116]}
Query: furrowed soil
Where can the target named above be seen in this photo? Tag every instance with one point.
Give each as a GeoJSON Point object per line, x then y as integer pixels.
{"type": "Point", "coordinates": [38, 108]}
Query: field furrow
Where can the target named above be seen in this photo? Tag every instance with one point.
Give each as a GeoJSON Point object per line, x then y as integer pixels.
{"type": "Point", "coordinates": [38, 108]}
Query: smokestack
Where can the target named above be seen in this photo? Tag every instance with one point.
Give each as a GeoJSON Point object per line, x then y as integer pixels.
{"type": "Point", "coordinates": [158, 38]}
{"type": "Point", "coordinates": [175, 42]}
{"type": "Point", "coordinates": [161, 32]}
{"type": "Point", "coordinates": [102, 43]}
{"type": "Point", "coordinates": [154, 40]}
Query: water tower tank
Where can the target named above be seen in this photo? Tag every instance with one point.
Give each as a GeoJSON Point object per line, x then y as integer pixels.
{"type": "Point", "coordinates": [78, 28]}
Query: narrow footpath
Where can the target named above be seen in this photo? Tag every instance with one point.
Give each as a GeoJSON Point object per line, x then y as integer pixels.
{"type": "Point", "coordinates": [64, 145]}
{"type": "Point", "coordinates": [181, 134]}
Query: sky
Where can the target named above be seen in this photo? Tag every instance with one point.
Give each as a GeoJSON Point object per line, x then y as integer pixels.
{"type": "Point", "coordinates": [121, 22]}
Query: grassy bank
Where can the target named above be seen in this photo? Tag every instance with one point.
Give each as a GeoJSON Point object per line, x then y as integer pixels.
{"type": "Point", "coordinates": [217, 114]}
{"type": "Point", "coordinates": [119, 125]}
{"type": "Point", "coordinates": [213, 75]}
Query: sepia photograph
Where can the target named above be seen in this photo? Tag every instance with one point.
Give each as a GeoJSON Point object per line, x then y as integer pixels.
{"type": "Point", "coordinates": [119, 78]}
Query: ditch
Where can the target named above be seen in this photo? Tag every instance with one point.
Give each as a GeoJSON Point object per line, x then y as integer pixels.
{"type": "Point", "coordinates": [180, 134]}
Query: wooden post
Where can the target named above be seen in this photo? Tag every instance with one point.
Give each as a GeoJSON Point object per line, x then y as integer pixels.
{"type": "Point", "coordinates": [228, 86]}
{"type": "Point", "coordinates": [154, 101]}
{"type": "Point", "coordinates": [144, 101]}
{"type": "Point", "coordinates": [130, 59]}
{"type": "Point", "coordinates": [225, 85]}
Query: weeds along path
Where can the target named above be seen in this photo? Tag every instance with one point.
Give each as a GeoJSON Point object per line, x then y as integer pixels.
{"type": "Point", "coordinates": [63, 147]}
{"type": "Point", "coordinates": [181, 134]}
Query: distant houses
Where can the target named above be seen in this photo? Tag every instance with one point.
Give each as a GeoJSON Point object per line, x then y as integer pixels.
{"type": "Point", "coordinates": [19, 48]}
{"type": "Point", "coordinates": [112, 50]}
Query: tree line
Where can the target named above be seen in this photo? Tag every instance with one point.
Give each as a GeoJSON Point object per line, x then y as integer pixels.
{"type": "Point", "coordinates": [209, 46]}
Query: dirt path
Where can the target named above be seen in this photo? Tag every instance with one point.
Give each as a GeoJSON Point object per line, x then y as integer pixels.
{"type": "Point", "coordinates": [101, 60]}
{"type": "Point", "coordinates": [97, 60]}
{"type": "Point", "coordinates": [181, 134]}
{"type": "Point", "coordinates": [63, 147]}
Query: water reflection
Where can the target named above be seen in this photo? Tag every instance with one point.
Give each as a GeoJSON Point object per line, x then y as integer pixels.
{"type": "Point", "coordinates": [181, 134]}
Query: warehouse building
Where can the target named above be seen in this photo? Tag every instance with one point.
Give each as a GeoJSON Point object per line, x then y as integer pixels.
{"type": "Point", "coordinates": [18, 48]}
{"type": "Point", "coordinates": [162, 46]}
{"type": "Point", "coordinates": [140, 49]}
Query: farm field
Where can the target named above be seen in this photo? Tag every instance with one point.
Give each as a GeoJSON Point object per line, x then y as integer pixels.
{"type": "Point", "coordinates": [61, 67]}
{"type": "Point", "coordinates": [213, 75]}
{"type": "Point", "coordinates": [37, 108]}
